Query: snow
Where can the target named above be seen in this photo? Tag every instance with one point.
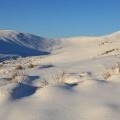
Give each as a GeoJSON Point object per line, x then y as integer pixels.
{"type": "Point", "coordinates": [25, 44]}
{"type": "Point", "coordinates": [67, 84]}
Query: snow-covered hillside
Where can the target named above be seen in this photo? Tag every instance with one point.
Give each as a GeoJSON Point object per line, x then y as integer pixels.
{"type": "Point", "coordinates": [24, 44]}
{"type": "Point", "coordinates": [80, 80]}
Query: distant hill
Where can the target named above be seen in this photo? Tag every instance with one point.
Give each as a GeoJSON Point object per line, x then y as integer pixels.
{"type": "Point", "coordinates": [24, 44]}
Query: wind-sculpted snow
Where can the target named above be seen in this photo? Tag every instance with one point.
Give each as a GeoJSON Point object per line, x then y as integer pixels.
{"type": "Point", "coordinates": [78, 81]}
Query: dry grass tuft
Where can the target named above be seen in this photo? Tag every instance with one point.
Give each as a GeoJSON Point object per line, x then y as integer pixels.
{"type": "Point", "coordinates": [106, 75]}
{"type": "Point", "coordinates": [60, 79]}
{"type": "Point", "coordinates": [31, 65]}
{"type": "Point", "coordinates": [1, 65]}
{"type": "Point", "coordinates": [19, 67]}
{"type": "Point", "coordinates": [112, 71]}
{"type": "Point", "coordinates": [44, 83]}
{"type": "Point", "coordinates": [16, 76]}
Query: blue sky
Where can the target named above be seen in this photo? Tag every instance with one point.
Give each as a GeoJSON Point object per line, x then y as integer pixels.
{"type": "Point", "coordinates": [60, 18]}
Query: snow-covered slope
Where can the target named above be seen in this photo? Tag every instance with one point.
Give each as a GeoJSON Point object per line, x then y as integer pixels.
{"type": "Point", "coordinates": [24, 44]}
{"type": "Point", "coordinates": [78, 81]}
